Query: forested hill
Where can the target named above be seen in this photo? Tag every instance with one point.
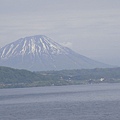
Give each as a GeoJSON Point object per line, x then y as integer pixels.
{"type": "Point", "coordinates": [10, 77]}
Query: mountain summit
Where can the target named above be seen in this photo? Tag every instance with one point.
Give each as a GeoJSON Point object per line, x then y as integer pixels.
{"type": "Point", "coordinates": [38, 53]}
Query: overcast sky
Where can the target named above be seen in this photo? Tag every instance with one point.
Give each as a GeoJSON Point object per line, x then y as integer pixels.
{"type": "Point", "coordinates": [89, 27]}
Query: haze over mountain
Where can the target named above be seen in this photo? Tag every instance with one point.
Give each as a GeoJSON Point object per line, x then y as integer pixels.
{"type": "Point", "coordinates": [40, 53]}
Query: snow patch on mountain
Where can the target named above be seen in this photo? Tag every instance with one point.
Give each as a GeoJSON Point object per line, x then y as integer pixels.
{"type": "Point", "coordinates": [35, 45]}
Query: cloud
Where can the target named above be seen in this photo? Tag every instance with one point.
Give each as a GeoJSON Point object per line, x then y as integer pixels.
{"type": "Point", "coordinates": [67, 44]}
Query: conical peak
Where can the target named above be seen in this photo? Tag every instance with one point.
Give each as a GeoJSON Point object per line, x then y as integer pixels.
{"type": "Point", "coordinates": [35, 37]}
{"type": "Point", "coordinates": [38, 39]}
{"type": "Point", "coordinates": [41, 53]}
{"type": "Point", "coordinates": [34, 45]}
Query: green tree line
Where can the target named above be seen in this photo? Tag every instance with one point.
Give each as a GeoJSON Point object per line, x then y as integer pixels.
{"type": "Point", "coordinates": [10, 77]}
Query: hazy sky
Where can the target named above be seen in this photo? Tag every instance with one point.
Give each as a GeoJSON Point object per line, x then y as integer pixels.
{"type": "Point", "coordinates": [89, 27]}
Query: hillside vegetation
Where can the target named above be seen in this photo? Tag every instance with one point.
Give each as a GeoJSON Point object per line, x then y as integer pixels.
{"type": "Point", "coordinates": [10, 77]}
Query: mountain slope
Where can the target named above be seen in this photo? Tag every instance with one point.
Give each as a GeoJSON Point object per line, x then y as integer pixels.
{"type": "Point", "coordinates": [38, 53]}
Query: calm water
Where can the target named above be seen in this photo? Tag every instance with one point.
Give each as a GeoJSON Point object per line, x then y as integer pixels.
{"type": "Point", "coordinates": [82, 102]}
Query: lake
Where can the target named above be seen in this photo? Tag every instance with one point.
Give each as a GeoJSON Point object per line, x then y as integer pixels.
{"type": "Point", "coordinates": [75, 102]}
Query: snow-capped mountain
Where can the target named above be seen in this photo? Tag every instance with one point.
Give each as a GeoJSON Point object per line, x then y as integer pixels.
{"type": "Point", "coordinates": [39, 53]}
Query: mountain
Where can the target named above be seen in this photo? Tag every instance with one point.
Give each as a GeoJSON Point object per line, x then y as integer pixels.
{"type": "Point", "coordinates": [40, 53]}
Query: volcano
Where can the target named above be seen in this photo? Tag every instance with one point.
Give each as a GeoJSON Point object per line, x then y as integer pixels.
{"type": "Point", "coordinates": [40, 53]}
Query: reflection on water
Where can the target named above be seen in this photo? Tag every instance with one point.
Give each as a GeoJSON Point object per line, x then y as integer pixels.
{"type": "Point", "coordinates": [82, 102]}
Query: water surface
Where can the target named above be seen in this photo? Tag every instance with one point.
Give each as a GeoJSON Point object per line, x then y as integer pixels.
{"type": "Point", "coordinates": [76, 102]}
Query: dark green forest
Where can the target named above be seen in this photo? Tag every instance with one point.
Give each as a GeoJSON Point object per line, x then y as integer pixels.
{"type": "Point", "coordinates": [15, 78]}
